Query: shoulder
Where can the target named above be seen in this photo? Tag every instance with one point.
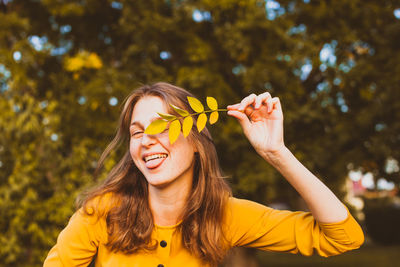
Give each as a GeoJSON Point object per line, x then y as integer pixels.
{"type": "Point", "coordinates": [243, 206]}
{"type": "Point", "coordinates": [99, 205]}
{"type": "Point", "coordinates": [244, 213]}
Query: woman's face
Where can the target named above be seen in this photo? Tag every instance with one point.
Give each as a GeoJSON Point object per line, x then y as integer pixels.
{"type": "Point", "coordinates": [160, 162]}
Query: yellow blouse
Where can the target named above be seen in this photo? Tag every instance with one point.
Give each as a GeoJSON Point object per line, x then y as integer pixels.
{"type": "Point", "coordinates": [248, 224]}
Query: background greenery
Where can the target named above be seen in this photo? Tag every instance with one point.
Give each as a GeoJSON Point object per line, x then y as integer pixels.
{"type": "Point", "coordinates": [66, 66]}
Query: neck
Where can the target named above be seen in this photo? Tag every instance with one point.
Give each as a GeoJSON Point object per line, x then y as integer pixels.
{"type": "Point", "coordinates": [167, 203]}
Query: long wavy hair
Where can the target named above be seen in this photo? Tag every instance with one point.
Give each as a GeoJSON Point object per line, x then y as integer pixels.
{"type": "Point", "coordinates": [129, 218]}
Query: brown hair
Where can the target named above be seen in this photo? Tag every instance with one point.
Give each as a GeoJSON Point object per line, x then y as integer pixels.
{"type": "Point", "coordinates": [130, 223]}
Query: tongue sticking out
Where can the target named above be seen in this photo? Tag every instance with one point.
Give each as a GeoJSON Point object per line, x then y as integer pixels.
{"type": "Point", "coordinates": [154, 163]}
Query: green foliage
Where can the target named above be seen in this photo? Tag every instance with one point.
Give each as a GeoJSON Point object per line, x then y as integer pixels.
{"type": "Point", "coordinates": [65, 64]}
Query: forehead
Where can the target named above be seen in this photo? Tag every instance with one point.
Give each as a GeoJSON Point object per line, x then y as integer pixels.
{"type": "Point", "coordinates": [146, 109]}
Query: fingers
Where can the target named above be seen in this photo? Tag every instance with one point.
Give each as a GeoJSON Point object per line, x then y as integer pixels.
{"type": "Point", "coordinates": [242, 118]}
{"type": "Point", "coordinates": [248, 100]}
{"type": "Point", "coordinates": [262, 98]}
{"type": "Point", "coordinates": [251, 102]}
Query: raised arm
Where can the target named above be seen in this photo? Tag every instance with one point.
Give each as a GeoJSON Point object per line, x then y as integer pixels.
{"type": "Point", "coordinates": [261, 118]}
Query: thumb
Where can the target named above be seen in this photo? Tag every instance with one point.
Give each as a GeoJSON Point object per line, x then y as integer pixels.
{"type": "Point", "coordinates": [241, 117]}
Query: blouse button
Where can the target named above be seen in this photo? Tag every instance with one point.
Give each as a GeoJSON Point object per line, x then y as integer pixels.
{"type": "Point", "coordinates": [163, 244]}
{"type": "Point", "coordinates": [160, 265]}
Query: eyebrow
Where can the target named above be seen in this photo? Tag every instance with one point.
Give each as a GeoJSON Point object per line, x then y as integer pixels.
{"type": "Point", "coordinates": [134, 123]}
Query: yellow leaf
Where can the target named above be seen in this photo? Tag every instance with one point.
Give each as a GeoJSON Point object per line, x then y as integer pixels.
{"type": "Point", "coordinates": [212, 103]}
{"type": "Point", "coordinates": [187, 126]}
{"type": "Point", "coordinates": [167, 117]}
{"type": "Point", "coordinates": [93, 61]}
{"type": "Point", "coordinates": [74, 64]}
{"type": "Point", "coordinates": [180, 111]}
{"type": "Point", "coordinates": [195, 104]}
{"type": "Point", "coordinates": [213, 117]}
{"type": "Point", "coordinates": [201, 121]}
{"type": "Point", "coordinates": [174, 131]}
{"type": "Point", "coordinates": [156, 127]}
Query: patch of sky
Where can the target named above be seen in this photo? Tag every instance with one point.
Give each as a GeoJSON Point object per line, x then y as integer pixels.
{"type": "Point", "coordinates": [16, 108]}
{"type": "Point", "coordinates": [65, 46]}
{"type": "Point", "coordinates": [58, 51]}
{"type": "Point", "coordinates": [164, 55]}
{"type": "Point", "coordinates": [113, 101]}
{"type": "Point", "coordinates": [323, 67]}
{"type": "Point", "coordinates": [199, 15]}
{"type": "Point", "coordinates": [273, 9]}
{"type": "Point", "coordinates": [341, 102]}
{"type": "Point", "coordinates": [337, 81]}
{"type": "Point", "coordinates": [5, 74]}
{"type": "Point", "coordinates": [65, 29]}
{"type": "Point", "coordinates": [54, 137]}
{"type": "Point", "coordinates": [305, 70]}
{"type": "Point", "coordinates": [287, 58]}
{"type": "Point", "coordinates": [379, 127]}
{"type": "Point", "coordinates": [297, 29]}
{"type": "Point", "coordinates": [82, 100]}
{"type": "Point", "coordinates": [17, 56]}
{"type": "Point", "coordinates": [4, 71]}
{"type": "Point", "coordinates": [344, 67]}
{"type": "Point", "coordinates": [238, 69]}
{"type": "Point", "coordinates": [43, 104]}
{"type": "Point", "coordinates": [327, 53]}
{"type": "Point", "coordinates": [38, 43]}
{"type": "Point", "coordinates": [306, 1]}
{"type": "Point", "coordinates": [323, 86]}
{"type": "Point", "coordinates": [116, 5]}
{"type": "Point", "coordinates": [3, 87]}
{"type": "Point", "coordinates": [396, 13]}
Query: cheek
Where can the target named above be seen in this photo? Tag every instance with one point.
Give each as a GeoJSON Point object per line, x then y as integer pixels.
{"type": "Point", "coordinates": [134, 149]}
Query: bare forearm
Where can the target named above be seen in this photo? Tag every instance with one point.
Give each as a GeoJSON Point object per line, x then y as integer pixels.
{"type": "Point", "coordinates": [323, 204]}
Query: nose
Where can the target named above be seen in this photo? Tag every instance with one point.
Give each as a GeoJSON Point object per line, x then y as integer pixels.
{"type": "Point", "coordinates": [148, 140]}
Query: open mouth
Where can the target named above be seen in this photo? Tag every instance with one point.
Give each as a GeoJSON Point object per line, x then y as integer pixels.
{"type": "Point", "coordinates": [155, 160]}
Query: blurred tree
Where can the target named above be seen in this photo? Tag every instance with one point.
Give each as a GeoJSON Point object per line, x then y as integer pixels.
{"type": "Point", "coordinates": [66, 66]}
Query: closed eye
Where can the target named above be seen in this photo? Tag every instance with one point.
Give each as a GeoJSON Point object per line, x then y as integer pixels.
{"type": "Point", "coordinates": [137, 134]}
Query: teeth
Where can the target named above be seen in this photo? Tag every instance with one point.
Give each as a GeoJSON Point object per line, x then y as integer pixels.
{"type": "Point", "coordinates": [155, 156]}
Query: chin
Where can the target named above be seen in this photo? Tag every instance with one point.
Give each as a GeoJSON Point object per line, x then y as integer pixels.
{"type": "Point", "coordinates": [159, 183]}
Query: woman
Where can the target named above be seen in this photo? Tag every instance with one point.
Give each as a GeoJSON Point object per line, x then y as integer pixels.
{"type": "Point", "coordinates": [167, 205]}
